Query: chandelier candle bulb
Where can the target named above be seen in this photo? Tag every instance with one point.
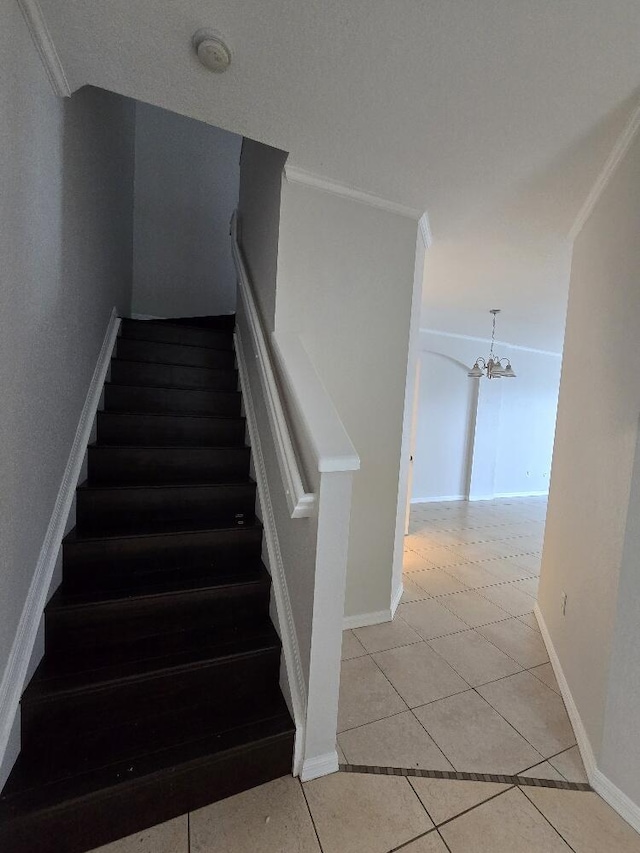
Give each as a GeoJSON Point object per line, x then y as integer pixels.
{"type": "Point", "coordinates": [492, 367]}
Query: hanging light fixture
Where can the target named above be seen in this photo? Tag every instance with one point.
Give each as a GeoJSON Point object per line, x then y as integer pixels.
{"type": "Point", "coordinates": [492, 367]}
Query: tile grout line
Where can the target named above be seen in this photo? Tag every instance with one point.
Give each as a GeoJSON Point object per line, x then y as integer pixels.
{"type": "Point", "coordinates": [555, 829]}
{"type": "Point", "coordinates": [313, 823]}
{"type": "Point", "coordinates": [477, 805]}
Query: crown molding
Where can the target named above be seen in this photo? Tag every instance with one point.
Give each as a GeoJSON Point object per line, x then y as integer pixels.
{"type": "Point", "coordinates": [425, 230]}
{"type": "Point", "coordinates": [620, 148]}
{"type": "Point", "coordinates": [295, 175]}
{"type": "Point", "coordinates": [488, 341]}
{"type": "Point", "coordinates": [46, 48]}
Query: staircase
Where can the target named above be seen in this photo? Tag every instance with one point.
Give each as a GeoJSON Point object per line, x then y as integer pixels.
{"type": "Point", "coordinates": [159, 689]}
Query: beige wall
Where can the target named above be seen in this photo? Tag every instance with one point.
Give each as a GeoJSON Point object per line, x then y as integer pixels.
{"type": "Point", "coordinates": [593, 468]}
{"type": "Point", "coordinates": [345, 283]}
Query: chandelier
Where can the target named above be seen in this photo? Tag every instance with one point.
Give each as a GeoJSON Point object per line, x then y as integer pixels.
{"type": "Point", "coordinates": [493, 366]}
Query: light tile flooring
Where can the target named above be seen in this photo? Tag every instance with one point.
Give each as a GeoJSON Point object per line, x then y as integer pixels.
{"type": "Point", "coordinates": [356, 813]}
{"type": "Point", "coordinates": [461, 680]}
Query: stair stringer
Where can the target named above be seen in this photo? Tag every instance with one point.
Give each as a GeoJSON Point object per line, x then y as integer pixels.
{"type": "Point", "coordinates": [292, 680]}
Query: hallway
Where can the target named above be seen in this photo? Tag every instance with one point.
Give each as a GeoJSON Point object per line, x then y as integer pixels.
{"type": "Point", "coordinates": [460, 680]}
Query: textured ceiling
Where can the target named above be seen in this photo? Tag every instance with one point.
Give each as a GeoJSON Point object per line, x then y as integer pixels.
{"type": "Point", "coordinates": [495, 115]}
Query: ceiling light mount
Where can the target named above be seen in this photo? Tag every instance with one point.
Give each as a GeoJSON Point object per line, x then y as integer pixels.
{"type": "Point", "coordinates": [492, 367]}
{"type": "Point", "coordinates": [211, 50]}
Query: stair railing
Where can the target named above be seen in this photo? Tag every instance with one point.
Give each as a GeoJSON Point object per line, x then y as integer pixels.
{"type": "Point", "coordinates": [304, 463]}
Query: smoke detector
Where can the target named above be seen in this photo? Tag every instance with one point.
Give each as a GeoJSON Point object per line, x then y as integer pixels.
{"type": "Point", "coordinates": [211, 50]}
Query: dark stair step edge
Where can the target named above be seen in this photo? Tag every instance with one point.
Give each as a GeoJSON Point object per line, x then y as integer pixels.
{"type": "Point", "coordinates": [114, 508]}
{"type": "Point", "coordinates": [63, 754]}
{"type": "Point", "coordinates": [213, 321]}
{"type": "Point", "coordinates": [178, 354]}
{"type": "Point", "coordinates": [161, 375]}
{"type": "Point", "coordinates": [122, 802]}
{"type": "Point", "coordinates": [102, 617]}
{"type": "Point", "coordinates": [188, 427]}
{"type": "Point", "coordinates": [194, 552]}
{"type": "Point", "coordinates": [145, 465]}
{"type": "Point", "coordinates": [175, 333]}
{"type": "Point", "coordinates": [166, 399]}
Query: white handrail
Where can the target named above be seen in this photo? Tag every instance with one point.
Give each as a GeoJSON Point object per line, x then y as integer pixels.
{"type": "Point", "coordinates": [328, 438]}
{"type": "Point", "coordinates": [301, 503]}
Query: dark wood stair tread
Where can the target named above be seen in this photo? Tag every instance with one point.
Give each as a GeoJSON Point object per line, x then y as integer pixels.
{"type": "Point", "coordinates": [141, 586]}
{"type": "Point", "coordinates": [162, 528]}
{"type": "Point", "coordinates": [143, 659]}
{"type": "Point", "coordinates": [145, 746]}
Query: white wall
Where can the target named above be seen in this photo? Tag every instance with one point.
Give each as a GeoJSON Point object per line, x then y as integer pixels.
{"type": "Point", "coordinates": [345, 283]}
{"type": "Point", "coordinates": [66, 172]}
{"type": "Point", "coordinates": [259, 220]}
{"type": "Point", "coordinates": [444, 432]}
{"type": "Point", "coordinates": [186, 188]}
{"type": "Point", "coordinates": [594, 473]}
{"type": "Point", "coordinates": [490, 437]}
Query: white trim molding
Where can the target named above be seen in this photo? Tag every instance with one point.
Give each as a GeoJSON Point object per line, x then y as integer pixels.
{"type": "Point", "coordinates": [543, 493]}
{"type": "Point", "coordinates": [288, 635]}
{"type": "Point", "coordinates": [321, 765]}
{"type": "Point", "coordinates": [616, 155]}
{"type": "Point", "coordinates": [439, 499]}
{"type": "Point", "coordinates": [425, 230]}
{"type": "Point", "coordinates": [363, 620]}
{"type": "Point", "coordinates": [45, 46]}
{"type": "Point", "coordinates": [302, 503]}
{"type": "Point", "coordinates": [136, 316]}
{"type": "Point", "coordinates": [600, 783]}
{"type": "Point", "coordinates": [15, 674]}
{"type": "Point", "coordinates": [295, 175]}
{"type": "Point", "coordinates": [396, 598]}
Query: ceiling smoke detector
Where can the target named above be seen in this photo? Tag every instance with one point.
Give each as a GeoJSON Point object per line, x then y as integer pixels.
{"type": "Point", "coordinates": [211, 50]}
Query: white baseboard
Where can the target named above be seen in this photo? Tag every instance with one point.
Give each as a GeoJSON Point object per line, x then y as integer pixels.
{"type": "Point", "coordinates": [296, 687]}
{"type": "Point", "coordinates": [362, 620]}
{"type": "Point", "coordinates": [543, 493]}
{"type": "Point", "coordinates": [600, 783]}
{"type": "Point", "coordinates": [135, 316]}
{"type": "Point", "coordinates": [438, 499]}
{"type": "Point", "coordinates": [321, 765]}
{"type": "Point", "coordinates": [15, 673]}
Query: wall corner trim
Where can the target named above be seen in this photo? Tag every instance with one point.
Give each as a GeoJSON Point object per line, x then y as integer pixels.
{"type": "Point", "coordinates": [601, 784]}
{"type": "Point", "coordinates": [425, 230]}
{"type": "Point", "coordinates": [14, 676]}
{"type": "Point", "coordinates": [288, 634]}
{"type": "Point", "coordinates": [617, 153]}
{"type": "Point", "coordinates": [295, 175]}
{"type": "Point", "coordinates": [46, 48]}
{"type": "Point", "coordinates": [396, 599]}
{"type": "Point", "coordinates": [321, 765]}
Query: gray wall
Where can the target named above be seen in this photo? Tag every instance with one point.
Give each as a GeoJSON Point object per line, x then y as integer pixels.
{"type": "Point", "coordinates": [259, 220]}
{"type": "Point", "coordinates": [186, 189]}
{"type": "Point", "coordinates": [590, 551]}
{"type": "Point", "coordinates": [65, 259]}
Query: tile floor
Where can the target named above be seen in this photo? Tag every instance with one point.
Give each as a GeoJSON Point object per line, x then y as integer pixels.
{"type": "Point", "coordinates": [460, 680]}
{"type": "Point", "coordinates": [357, 813]}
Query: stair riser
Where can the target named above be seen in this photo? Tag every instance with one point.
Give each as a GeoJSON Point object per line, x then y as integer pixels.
{"type": "Point", "coordinates": [134, 350]}
{"type": "Point", "coordinates": [132, 465]}
{"type": "Point", "coordinates": [171, 375]}
{"type": "Point", "coordinates": [137, 330]}
{"type": "Point", "coordinates": [111, 509]}
{"type": "Point", "coordinates": [217, 610]}
{"type": "Point", "coordinates": [220, 685]}
{"type": "Point", "coordinates": [125, 398]}
{"type": "Point", "coordinates": [147, 555]}
{"type": "Point", "coordinates": [131, 807]}
{"type": "Point", "coordinates": [148, 430]}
